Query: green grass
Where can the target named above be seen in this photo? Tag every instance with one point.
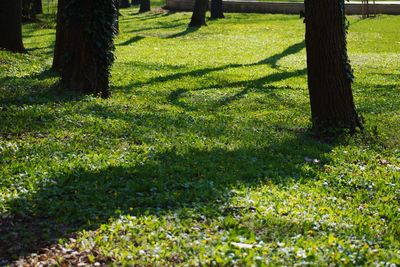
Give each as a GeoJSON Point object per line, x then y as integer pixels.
{"type": "Point", "coordinates": [351, 1]}
{"type": "Point", "coordinates": [202, 156]}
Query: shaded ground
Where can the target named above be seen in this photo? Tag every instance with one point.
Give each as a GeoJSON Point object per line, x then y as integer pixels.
{"type": "Point", "coordinates": [202, 155]}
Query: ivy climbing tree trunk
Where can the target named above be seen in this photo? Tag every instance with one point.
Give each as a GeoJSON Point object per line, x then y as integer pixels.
{"type": "Point", "coordinates": [199, 13]}
{"type": "Point", "coordinates": [329, 71]}
{"type": "Point", "coordinates": [88, 30]}
{"type": "Point", "coordinates": [216, 9]}
{"type": "Point", "coordinates": [10, 25]}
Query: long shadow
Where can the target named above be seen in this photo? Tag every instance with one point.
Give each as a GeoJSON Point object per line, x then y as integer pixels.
{"type": "Point", "coordinates": [131, 41]}
{"type": "Point", "coordinates": [80, 199]}
{"type": "Point", "coordinates": [148, 16]}
{"type": "Point", "coordinates": [156, 28]}
{"type": "Point", "coordinates": [38, 88]}
{"type": "Point", "coordinates": [272, 61]}
{"type": "Point", "coordinates": [260, 84]}
{"type": "Point", "coordinates": [158, 182]}
{"type": "Point", "coordinates": [187, 31]}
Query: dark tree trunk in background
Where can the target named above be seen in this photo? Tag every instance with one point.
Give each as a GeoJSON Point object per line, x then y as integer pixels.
{"type": "Point", "coordinates": [29, 10]}
{"type": "Point", "coordinates": [216, 9]}
{"type": "Point", "coordinates": [144, 6]}
{"type": "Point", "coordinates": [329, 72]}
{"type": "Point", "coordinates": [135, 2]}
{"type": "Point", "coordinates": [37, 7]}
{"type": "Point", "coordinates": [59, 48]}
{"type": "Point", "coordinates": [88, 29]}
{"type": "Point", "coordinates": [10, 25]}
{"type": "Point", "coordinates": [199, 13]}
{"type": "Point", "coordinates": [124, 4]}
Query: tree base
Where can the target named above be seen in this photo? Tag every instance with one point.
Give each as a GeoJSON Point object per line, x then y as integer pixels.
{"type": "Point", "coordinates": [215, 17]}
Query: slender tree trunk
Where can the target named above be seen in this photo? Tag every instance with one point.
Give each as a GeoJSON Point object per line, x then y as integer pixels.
{"type": "Point", "coordinates": [329, 71]}
{"type": "Point", "coordinates": [124, 4]}
{"type": "Point", "coordinates": [199, 13]}
{"type": "Point", "coordinates": [86, 56]}
{"type": "Point", "coordinates": [10, 25]}
{"type": "Point", "coordinates": [59, 48]}
{"type": "Point", "coordinates": [144, 6]}
{"type": "Point", "coordinates": [216, 9]}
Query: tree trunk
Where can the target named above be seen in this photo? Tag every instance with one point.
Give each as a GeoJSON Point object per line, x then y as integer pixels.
{"type": "Point", "coordinates": [199, 13]}
{"type": "Point", "coordinates": [135, 2]}
{"type": "Point", "coordinates": [216, 9]}
{"type": "Point", "coordinates": [144, 6]}
{"type": "Point", "coordinates": [87, 53]}
{"type": "Point", "coordinates": [37, 7]}
{"type": "Point", "coordinates": [59, 48]}
{"type": "Point", "coordinates": [10, 25]}
{"type": "Point", "coordinates": [28, 12]}
{"type": "Point", "coordinates": [124, 4]}
{"type": "Point", "coordinates": [329, 71]}
{"type": "Point", "coordinates": [30, 8]}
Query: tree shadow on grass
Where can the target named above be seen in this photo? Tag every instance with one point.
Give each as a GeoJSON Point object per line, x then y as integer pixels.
{"type": "Point", "coordinates": [258, 85]}
{"type": "Point", "coordinates": [291, 50]}
{"type": "Point", "coordinates": [155, 14]}
{"type": "Point", "coordinates": [132, 40]}
{"type": "Point", "coordinates": [38, 88]}
{"type": "Point", "coordinates": [187, 31]}
{"type": "Point", "coordinates": [157, 183]}
{"type": "Point", "coordinates": [271, 61]}
{"type": "Point", "coordinates": [153, 182]}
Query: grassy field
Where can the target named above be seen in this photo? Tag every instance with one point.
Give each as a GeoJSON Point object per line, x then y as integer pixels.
{"type": "Point", "coordinates": [351, 1]}
{"type": "Point", "coordinates": [202, 156]}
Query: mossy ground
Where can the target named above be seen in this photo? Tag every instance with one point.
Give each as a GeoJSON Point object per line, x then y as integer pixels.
{"type": "Point", "coordinates": [202, 156]}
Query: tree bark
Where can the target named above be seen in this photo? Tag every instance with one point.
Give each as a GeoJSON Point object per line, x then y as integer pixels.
{"type": "Point", "coordinates": [144, 6]}
{"type": "Point", "coordinates": [88, 29]}
{"type": "Point", "coordinates": [135, 2]}
{"type": "Point", "coordinates": [37, 7]}
{"type": "Point", "coordinates": [124, 4]}
{"type": "Point", "coordinates": [216, 9]}
{"type": "Point", "coordinates": [199, 13]}
{"type": "Point", "coordinates": [329, 71]}
{"type": "Point", "coordinates": [11, 25]}
{"type": "Point", "coordinates": [59, 48]}
{"type": "Point", "coordinates": [29, 10]}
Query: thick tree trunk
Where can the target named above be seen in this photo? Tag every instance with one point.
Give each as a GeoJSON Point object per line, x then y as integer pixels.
{"type": "Point", "coordinates": [199, 13]}
{"type": "Point", "coordinates": [135, 2]}
{"type": "Point", "coordinates": [37, 7]}
{"type": "Point", "coordinates": [10, 25]}
{"type": "Point", "coordinates": [329, 72]}
{"type": "Point", "coordinates": [30, 8]}
{"type": "Point", "coordinates": [59, 48]}
{"type": "Point", "coordinates": [28, 11]}
{"type": "Point", "coordinates": [88, 28]}
{"type": "Point", "coordinates": [124, 4]}
{"type": "Point", "coordinates": [216, 9]}
{"type": "Point", "coordinates": [144, 6]}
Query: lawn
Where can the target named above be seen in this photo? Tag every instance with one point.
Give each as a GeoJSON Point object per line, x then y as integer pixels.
{"type": "Point", "coordinates": [203, 155]}
{"type": "Point", "coordinates": [351, 1]}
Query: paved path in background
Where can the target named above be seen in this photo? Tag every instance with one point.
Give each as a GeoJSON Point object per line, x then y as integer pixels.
{"type": "Point", "coordinates": [254, 6]}
{"type": "Point", "coordinates": [351, 2]}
